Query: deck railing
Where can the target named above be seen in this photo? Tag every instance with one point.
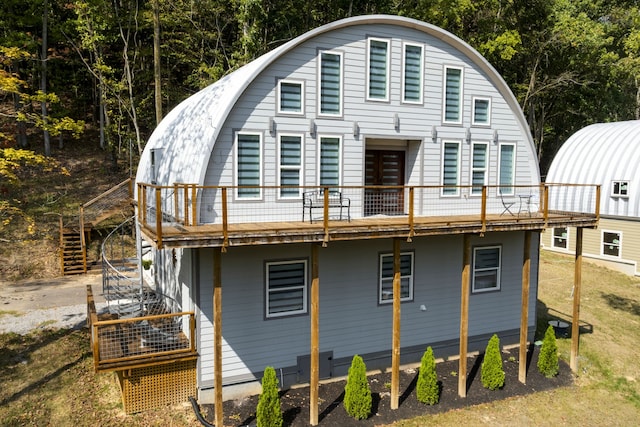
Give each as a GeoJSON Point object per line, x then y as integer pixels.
{"type": "Point", "coordinates": [194, 205]}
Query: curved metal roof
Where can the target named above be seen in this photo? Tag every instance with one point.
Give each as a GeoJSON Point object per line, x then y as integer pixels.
{"type": "Point", "coordinates": [188, 133]}
{"type": "Point", "coordinates": [601, 154]}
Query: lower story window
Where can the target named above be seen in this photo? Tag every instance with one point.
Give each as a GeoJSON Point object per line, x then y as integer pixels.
{"type": "Point", "coordinates": [486, 269]}
{"type": "Point", "coordinates": [560, 237]}
{"type": "Point", "coordinates": [286, 292]}
{"type": "Point", "coordinates": [386, 277]}
{"type": "Point", "coordinates": [611, 243]}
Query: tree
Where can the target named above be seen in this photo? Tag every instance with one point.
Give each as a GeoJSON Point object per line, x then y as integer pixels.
{"type": "Point", "coordinates": [357, 393]}
{"type": "Point", "coordinates": [268, 413]}
{"type": "Point", "coordinates": [548, 357]}
{"type": "Point", "coordinates": [427, 388]}
{"type": "Point", "coordinates": [492, 373]}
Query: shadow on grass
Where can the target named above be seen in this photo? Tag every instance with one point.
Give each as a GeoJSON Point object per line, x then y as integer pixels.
{"type": "Point", "coordinates": [617, 302]}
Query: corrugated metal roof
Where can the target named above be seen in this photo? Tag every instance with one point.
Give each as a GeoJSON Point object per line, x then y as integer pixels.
{"type": "Point", "coordinates": [187, 134]}
{"type": "Point", "coordinates": [601, 154]}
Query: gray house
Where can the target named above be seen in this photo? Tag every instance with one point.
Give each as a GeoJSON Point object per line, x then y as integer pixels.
{"type": "Point", "coordinates": [370, 187]}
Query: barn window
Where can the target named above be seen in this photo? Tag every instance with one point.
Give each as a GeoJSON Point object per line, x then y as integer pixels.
{"type": "Point", "coordinates": [412, 74]}
{"type": "Point", "coordinates": [290, 153]}
{"type": "Point", "coordinates": [249, 161]}
{"type": "Point", "coordinates": [481, 111]}
{"type": "Point", "coordinates": [386, 278]}
{"type": "Point", "coordinates": [331, 83]}
{"type": "Point", "coordinates": [290, 97]}
{"type": "Point", "coordinates": [378, 70]}
{"type": "Point", "coordinates": [620, 188]}
{"type": "Point", "coordinates": [286, 288]}
{"type": "Point", "coordinates": [611, 243]}
{"type": "Point", "coordinates": [453, 95]}
{"type": "Point", "coordinates": [329, 161]}
{"type": "Point", "coordinates": [506, 171]}
{"type": "Point", "coordinates": [478, 167]}
{"type": "Point", "coordinates": [450, 168]}
{"type": "Point", "coordinates": [486, 269]}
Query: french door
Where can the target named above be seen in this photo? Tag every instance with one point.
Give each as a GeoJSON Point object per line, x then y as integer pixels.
{"type": "Point", "coordinates": [384, 169]}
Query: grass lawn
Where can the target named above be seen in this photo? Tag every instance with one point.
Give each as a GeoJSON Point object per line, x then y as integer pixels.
{"type": "Point", "coordinates": [47, 377]}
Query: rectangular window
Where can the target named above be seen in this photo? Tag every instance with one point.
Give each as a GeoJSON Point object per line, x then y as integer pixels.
{"type": "Point", "coordinates": [249, 161]}
{"type": "Point", "coordinates": [450, 168]}
{"type": "Point", "coordinates": [506, 173]}
{"type": "Point", "coordinates": [290, 97]}
{"type": "Point", "coordinates": [378, 71]}
{"type": "Point", "coordinates": [286, 288]}
{"type": "Point", "coordinates": [156, 157]}
{"type": "Point", "coordinates": [486, 269]}
{"type": "Point", "coordinates": [611, 243]}
{"type": "Point", "coordinates": [386, 277]}
{"type": "Point", "coordinates": [453, 95]}
{"type": "Point", "coordinates": [290, 165]}
{"type": "Point", "coordinates": [478, 167]}
{"type": "Point", "coordinates": [412, 74]}
{"type": "Point", "coordinates": [330, 83]}
{"type": "Point", "coordinates": [560, 238]}
{"type": "Point", "coordinates": [620, 188]}
{"type": "Point", "coordinates": [329, 161]}
{"type": "Point", "coordinates": [481, 111]}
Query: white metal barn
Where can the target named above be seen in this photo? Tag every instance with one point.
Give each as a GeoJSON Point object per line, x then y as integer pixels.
{"type": "Point", "coordinates": [606, 154]}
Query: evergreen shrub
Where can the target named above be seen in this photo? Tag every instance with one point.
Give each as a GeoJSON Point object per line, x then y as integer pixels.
{"type": "Point", "coordinates": [492, 372]}
{"type": "Point", "coordinates": [357, 393]}
{"type": "Point", "coordinates": [269, 413]}
{"type": "Point", "coordinates": [548, 357]}
{"type": "Point", "coordinates": [427, 388]}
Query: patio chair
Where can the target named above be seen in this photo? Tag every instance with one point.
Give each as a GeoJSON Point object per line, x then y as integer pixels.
{"type": "Point", "coordinates": [507, 204]}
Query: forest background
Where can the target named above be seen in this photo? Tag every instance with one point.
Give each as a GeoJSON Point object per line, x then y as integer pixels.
{"type": "Point", "coordinates": [100, 74]}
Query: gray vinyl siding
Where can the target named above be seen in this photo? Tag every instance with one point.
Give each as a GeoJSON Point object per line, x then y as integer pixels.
{"type": "Point", "coordinates": [351, 320]}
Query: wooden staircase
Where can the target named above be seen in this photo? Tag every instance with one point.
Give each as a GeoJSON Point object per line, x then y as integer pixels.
{"type": "Point", "coordinates": [74, 235]}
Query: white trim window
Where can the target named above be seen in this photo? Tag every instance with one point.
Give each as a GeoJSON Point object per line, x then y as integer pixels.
{"type": "Point", "coordinates": [450, 168]}
{"type": "Point", "coordinates": [385, 288]}
{"type": "Point", "coordinates": [611, 243]}
{"type": "Point", "coordinates": [560, 238]}
{"type": "Point", "coordinates": [506, 168]}
{"type": "Point", "coordinates": [378, 69]}
{"type": "Point", "coordinates": [330, 161]}
{"type": "Point", "coordinates": [286, 288]}
{"type": "Point", "coordinates": [481, 111]}
{"type": "Point", "coordinates": [290, 155]}
{"type": "Point", "coordinates": [620, 189]}
{"type": "Point", "coordinates": [330, 83]}
{"type": "Point", "coordinates": [156, 158]}
{"type": "Point", "coordinates": [290, 97]}
{"type": "Point", "coordinates": [248, 150]}
{"type": "Point", "coordinates": [452, 99]}
{"type": "Point", "coordinates": [479, 169]}
{"type": "Point", "coordinates": [412, 72]}
{"type": "Point", "coordinates": [486, 269]}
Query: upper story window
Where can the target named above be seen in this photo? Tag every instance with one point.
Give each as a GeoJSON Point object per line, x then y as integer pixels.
{"type": "Point", "coordinates": [412, 71]}
{"type": "Point", "coordinates": [378, 70]}
{"type": "Point", "coordinates": [290, 176]}
{"type": "Point", "coordinates": [478, 167]}
{"type": "Point", "coordinates": [286, 288]}
{"type": "Point", "coordinates": [156, 157]}
{"type": "Point", "coordinates": [330, 83]}
{"type": "Point", "coordinates": [290, 97]}
{"type": "Point", "coordinates": [486, 269]}
{"type": "Point", "coordinates": [481, 111]}
{"type": "Point", "coordinates": [506, 166]}
{"type": "Point", "coordinates": [330, 161]}
{"type": "Point", "coordinates": [450, 168]}
{"type": "Point", "coordinates": [611, 243]}
{"type": "Point", "coordinates": [560, 238]}
{"type": "Point", "coordinates": [453, 95]}
{"type": "Point", "coordinates": [386, 278]}
{"type": "Point", "coordinates": [620, 188]}
{"type": "Point", "coordinates": [248, 165]}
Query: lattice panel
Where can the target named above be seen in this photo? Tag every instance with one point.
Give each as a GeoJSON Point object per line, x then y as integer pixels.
{"type": "Point", "coordinates": [153, 387]}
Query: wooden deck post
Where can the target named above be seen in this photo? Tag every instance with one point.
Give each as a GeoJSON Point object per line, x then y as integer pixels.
{"type": "Point", "coordinates": [315, 341]}
{"type": "Point", "coordinates": [524, 314]}
{"type": "Point", "coordinates": [217, 334]}
{"type": "Point", "coordinates": [464, 316]}
{"type": "Point", "coordinates": [575, 320]}
{"type": "Point", "coordinates": [395, 355]}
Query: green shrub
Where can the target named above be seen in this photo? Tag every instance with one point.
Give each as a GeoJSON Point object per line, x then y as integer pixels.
{"type": "Point", "coordinates": [427, 389]}
{"type": "Point", "coordinates": [269, 413]}
{"type": "Point", "coordinates": [492, 372]}
{"type": "Point", "coordinates": [548, 357]}
{"type": "Point", "coordinates": [357, 394]}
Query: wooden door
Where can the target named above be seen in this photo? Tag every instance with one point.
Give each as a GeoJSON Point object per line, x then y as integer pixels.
{"type": "Point", "coordinates": [384, 169]}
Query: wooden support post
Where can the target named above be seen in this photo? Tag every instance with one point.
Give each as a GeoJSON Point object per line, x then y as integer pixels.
{"type": "Point", "coordinates": [524, 307]}
{"type": "Point", "coordinates": [395, 355]}
{"type": "Point", "coordinates": [464, 316]}
{"type": "Point", "coordinates": [217, 334]}
{"type": "Point", "coordinates": [315, 341]}
{"type": "Point", "coordinates": [575, 320]}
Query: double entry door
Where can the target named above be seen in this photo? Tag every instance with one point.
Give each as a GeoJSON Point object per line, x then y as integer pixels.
{"type": "Point", "coordinates": [384, 178]}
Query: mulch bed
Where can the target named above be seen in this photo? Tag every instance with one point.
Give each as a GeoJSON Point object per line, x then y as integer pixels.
{"type": "Point", "coordinates": [295, 401]}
